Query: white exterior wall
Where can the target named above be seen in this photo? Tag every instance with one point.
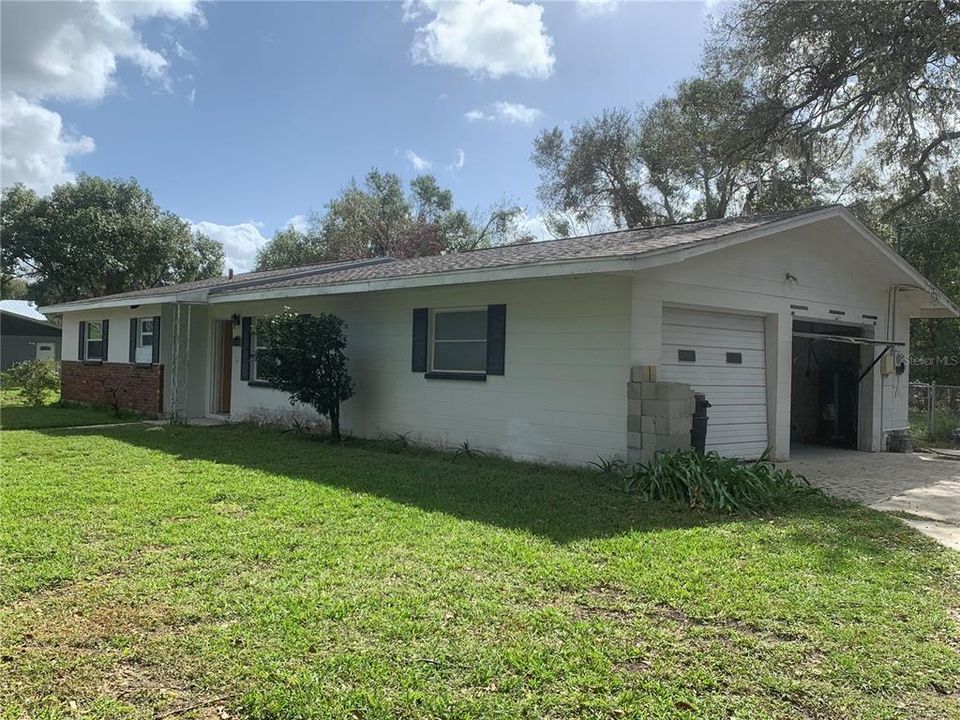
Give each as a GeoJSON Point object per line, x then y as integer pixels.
{"type": "Point", "coordinates": [119, 333]}
{"type": "Point", "coordinates": [570, 343]}
{"type": "Point", "coordinates": [833, 272]}
{"type": "Point", "coordinates": [562, 397]}
{"type": "Point", "coordinates": [192, 389]}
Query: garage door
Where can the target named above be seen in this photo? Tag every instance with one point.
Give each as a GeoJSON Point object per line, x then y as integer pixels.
{"type": "Point", "coordinates": [721, 355]}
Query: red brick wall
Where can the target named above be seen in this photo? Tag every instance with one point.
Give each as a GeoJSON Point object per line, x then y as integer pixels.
{"type": "Point", "coordinates": [140, 386]}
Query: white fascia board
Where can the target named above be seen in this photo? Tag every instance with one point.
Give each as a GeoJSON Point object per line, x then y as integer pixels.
{"type": "Point", "coordinates": [193, 296]}
{"type": "Point", "coordinates": [937, 295]}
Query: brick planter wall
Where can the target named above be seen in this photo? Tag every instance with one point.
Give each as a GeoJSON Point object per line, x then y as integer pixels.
{"type": "Point", "coordinates": [141, 386]}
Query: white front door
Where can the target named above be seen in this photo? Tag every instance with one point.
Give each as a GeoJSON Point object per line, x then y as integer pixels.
{"type": "Point", "coordinates": [46, 351]}
{"type": "Point", "coordinates": [722, 356]}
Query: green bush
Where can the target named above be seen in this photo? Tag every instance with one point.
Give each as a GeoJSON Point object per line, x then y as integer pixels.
{"type": "Point", "coordinates": [34, 379]}
{"type": "Point", "coordinates": [716, 483]}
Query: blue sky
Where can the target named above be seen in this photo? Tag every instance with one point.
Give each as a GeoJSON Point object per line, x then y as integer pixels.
{"type": "Point", "coordinates": [242, 115]}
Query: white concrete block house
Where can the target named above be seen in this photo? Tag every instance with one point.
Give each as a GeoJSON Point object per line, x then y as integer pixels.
{"type": "Point", "coordinates": [560, 350]}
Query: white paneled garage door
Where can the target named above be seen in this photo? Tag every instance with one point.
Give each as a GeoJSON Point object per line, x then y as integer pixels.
{"type": "Point", "coordinates": [721, 355]}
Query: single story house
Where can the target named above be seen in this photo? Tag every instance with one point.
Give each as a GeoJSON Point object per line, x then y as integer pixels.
{"type": "Point", "coordinates": [26, 334]}
{"type": "Point", "coordinates": [794, 325]}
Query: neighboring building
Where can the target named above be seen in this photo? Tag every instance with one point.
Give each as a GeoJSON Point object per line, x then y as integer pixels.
{"type": "Point", "coordinates": [795, 326]}
{"type": "Point", "coordinates": [26, 334]}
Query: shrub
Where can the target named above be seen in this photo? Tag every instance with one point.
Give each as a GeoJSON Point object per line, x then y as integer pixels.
{"type": "Point", "coordinates": [34, 379]}
{"type": "Point", "coordinates": [716, 483]}
{"type": "Point", "coordinates": [304, 358]}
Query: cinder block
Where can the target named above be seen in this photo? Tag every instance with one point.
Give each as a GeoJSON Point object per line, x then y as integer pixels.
{"type": "Point", "coordinates": [648, 440]}
{"type": "Point", "coordinates": [634, 389]}
{"type": "Point", "coordinates": [647, 424]}
{"type": "Point", "coordinates": [648, 391]}
{"type": "Point", "coordinates": [667, 408]}
{"type": "Point", "coordinates": [643, 373]}
{"type": "Point", "coordinates": [674, 391]}
{"type": "Point", "coordinates": [634, 440]}
{"type": "Point", "coordinates": [633, 423]}
{"type": "Point", "coordinates": [671, 425]}
{"type": "Point", "coordinates": [646, 455]}
{"type": "Point", "coordinates": [633, 406]}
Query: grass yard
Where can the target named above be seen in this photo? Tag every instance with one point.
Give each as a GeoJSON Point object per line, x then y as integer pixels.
{"type": "Point", "coordinates": [233, 572]}
{"type": "Point", "coordinates": [15, 414]}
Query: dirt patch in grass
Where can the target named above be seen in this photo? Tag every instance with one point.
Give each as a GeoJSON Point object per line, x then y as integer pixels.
{"type": "Point", "coordinates": [89, 642]}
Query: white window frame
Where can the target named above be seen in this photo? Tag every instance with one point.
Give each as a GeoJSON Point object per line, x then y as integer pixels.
{"type": "Point", "coordinates": [433, 339]}
{"type": "Point", "coordinates": [87, 327]}
{"type": "Point", "coordinates": [254, 346]}
{"type": "Point", "coordinates": [141, 333]}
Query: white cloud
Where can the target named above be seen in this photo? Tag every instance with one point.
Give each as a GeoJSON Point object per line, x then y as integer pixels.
{"type": "Point", "coordinates": [487, 38]}
{"type": "Point", "coordinates": [298, 223]}
{"type": "Point", "coordinates": [419, 163]}
{"type": "Point", "coordinates": [595, 8]}
{"type": "Point", "coordinates": [192, 96]}
{"type": "Point", "coordinates": [240, 242]}
{"type": "Point", "coordinates": [67, 51]}
{"type": "Point", "coordinates": [459, 162]}
{"type": "Point", "coordinates": [36, 149]}
{"type": "Point", "coordinates": [505, 112]}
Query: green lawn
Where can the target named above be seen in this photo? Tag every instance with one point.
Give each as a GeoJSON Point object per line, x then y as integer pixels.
{"type": "Point", "coordinates": [147, 570]}
{"type": "Point", "coordinates": [15, 414]}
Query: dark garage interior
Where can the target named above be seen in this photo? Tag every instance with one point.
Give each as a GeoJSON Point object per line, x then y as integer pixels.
{"type": "Point", "coordinates": [825, 388]}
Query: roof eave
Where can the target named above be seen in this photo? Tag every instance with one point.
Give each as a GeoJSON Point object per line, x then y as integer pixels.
{"type": "Point", "coordinates": [95, 304]}
{"type": "Point", "coordinates": [525, 271]}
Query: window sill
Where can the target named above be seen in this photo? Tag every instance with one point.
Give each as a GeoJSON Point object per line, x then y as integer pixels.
{"type": "Point", "coordinates": [259, 383]}
{"type": "Point", "coordinates": [143, 365]}
{"type": "Point", "coordinates": [478, 376]}
{"type": "Point", "coordinates": [93, 362]}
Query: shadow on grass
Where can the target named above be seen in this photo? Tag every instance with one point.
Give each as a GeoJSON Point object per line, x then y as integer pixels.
{"type": "Point", "coordinates": [561, 504]}
{"type": "Point", "coordinates": [40, 417]}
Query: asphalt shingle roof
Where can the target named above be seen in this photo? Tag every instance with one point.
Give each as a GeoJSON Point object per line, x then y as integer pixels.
{"type": "Point", "coordinates": [621, 243]}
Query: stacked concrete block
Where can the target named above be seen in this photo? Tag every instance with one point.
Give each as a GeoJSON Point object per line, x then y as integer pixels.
{"type": "Point", "coordinates": [659, 415]}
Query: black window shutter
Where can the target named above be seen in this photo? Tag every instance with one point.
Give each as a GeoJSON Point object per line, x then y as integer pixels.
{"type": "Point", "coordinates": [106, 339]}
{"type": "Point", "coordinates": [133, 340]}
{"type": "Point", "coordinates": [156, 339]}
{"type": "Point", "coordinates": [421, 317]}
{"type": "Point", "coordinates": [245, 348]}
{"type": "Point", "coordinates": [496, 338]}
{"type": "Point", "coordinates": [81, 348]}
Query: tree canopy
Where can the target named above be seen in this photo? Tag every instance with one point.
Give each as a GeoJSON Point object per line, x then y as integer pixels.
{"type": "Point", "coordinates": [875, 78]}
{"type": "Point", "coordinates": [98, 236]}
{"type": "Point", "coordinates": [703, 151]}
{"type": "Point", "coordinates": [380, 219]}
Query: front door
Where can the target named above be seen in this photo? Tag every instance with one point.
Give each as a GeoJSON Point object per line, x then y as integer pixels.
{"type": "Point", "coordinates": [46, 351]}
{"type": "Point", "coordinates": [224, 366]}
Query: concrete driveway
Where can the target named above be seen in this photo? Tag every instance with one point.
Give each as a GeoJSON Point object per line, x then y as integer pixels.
{"type": "Point", "coordinates": [926, 487]}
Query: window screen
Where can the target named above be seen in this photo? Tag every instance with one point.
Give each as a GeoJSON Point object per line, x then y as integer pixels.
{"type": "Point", "coordinates": [459, 341]}
{"type": "Point", "coordinates": [94, 340]}
{"type": "Point", "coordinates": [145, 338]}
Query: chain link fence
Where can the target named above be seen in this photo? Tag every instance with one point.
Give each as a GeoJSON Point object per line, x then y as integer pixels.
{"type": "Point", "coordinates": [935, 415]}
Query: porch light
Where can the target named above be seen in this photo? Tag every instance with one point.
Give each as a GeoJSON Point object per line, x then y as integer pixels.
{"type": "Point", "coordinates": [235, 318]}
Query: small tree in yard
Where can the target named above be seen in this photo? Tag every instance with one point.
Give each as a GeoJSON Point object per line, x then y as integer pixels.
{"type": "Point", "coordinates": [303, 355]}
{"type": "Point", "coordinates": [33, 378]}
